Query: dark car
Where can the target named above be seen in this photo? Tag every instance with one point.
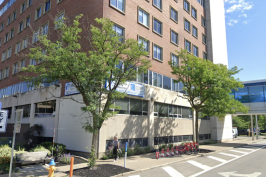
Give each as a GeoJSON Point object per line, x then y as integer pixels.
{"type": "Point", "coordinates": [242, 132]}
{"type": "Point", "coordinates": [263, 131]}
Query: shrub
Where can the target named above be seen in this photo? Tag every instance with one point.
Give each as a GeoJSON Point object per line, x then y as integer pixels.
{"type": "Point", "coordinates": [162, 146]}
{"type": "Point", "coordinates": [5, 163]}
{"type": "Point", "coordinates": [122, 154]}
{"type": "Point", "coordinates": [65, 158]}
{"type": "Point", "coordinates": [33, 134]}
{"type": "Point", "coordinates": [170, 145]}
{"type": "Point", "coordinates": [49, 146]}
{"type": "Point", "coordinates": [92, 158]}
{"type": "Point", "coordinates": [40, 148]}
{"type": "Point", "coordinates": [130, 152]}
{"type": "Point", "coordinates": [105, 157]}
{"type": "Point", "coordinates": [147, 149]}
{"type": "Point", "coordinates": [5, 150]}
{"type": "Point", "coordinates": [109, 154]}
{"type": "Point", "coordinates": [137, 149]}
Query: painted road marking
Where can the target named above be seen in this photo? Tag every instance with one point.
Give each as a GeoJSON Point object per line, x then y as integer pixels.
{"type": "Point", "coordinates": [229, 154]}
{"type": "Point", "coordinates": [246, 149]}
{"type": "Point", "coordinates": [135, 176]}
{"type": "Point", "coordinates": [197, 164]}
{"type": "Point", "coordinates": [216, 158]}
{"type": "Point", "coordinates": [228, 174]}
{"type": "Point", "coordinates": [200, 173]}
{"type": "Point", "coordinates": [238, 151]}
{"type": "Point", "coordinates": [172, 172]}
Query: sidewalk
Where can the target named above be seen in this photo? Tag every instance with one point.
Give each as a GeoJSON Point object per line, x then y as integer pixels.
{"type": "Point", "coordinates": [136, 163]}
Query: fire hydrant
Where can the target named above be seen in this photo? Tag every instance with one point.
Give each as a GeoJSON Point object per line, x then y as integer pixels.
{"type": "Point", "coordinates": [51, 168]}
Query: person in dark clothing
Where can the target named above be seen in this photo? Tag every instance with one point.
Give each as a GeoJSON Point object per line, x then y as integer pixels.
{"type": "Point", "coordinates": [116, 146]}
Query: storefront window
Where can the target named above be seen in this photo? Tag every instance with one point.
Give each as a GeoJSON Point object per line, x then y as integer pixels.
{"type": "Point", "coordinates": [45, 109]}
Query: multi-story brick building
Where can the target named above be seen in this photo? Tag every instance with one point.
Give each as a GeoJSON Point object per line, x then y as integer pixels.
{"type": "Point", "coordinates": [164, 26]}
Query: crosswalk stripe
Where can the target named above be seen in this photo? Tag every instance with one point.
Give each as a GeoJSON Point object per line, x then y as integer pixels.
{"type": "Point", "coordinates": [238, 151]}
{"type": "Point", "coordinates": [229, 154]}
{"type": "Point", "coordinates": [172, 172]}
{"type": "Point", "coordinates": [216, 158]}
{"type": "Point", "coordinates": [197, 164]}
{"type": "Point", "coordinates": [135, 176]}
{"type": "Point", "coordinates": [247, 149]}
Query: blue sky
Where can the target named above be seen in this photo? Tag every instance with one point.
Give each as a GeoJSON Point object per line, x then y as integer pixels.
{"type": "Point", "coordinates": [246, 37]}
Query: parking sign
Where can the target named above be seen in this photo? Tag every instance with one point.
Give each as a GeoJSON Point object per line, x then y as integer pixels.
{"type": "Point", "coordinates": [3, 121]}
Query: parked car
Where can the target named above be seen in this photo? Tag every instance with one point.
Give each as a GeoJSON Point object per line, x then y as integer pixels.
{"type": "Point", "coordinates": [235, 132]}
{"type": "Point", "coordinates": [242, 132]}
{"type": "Point", "coordinates": [254, 132]}
{"type": "Point", "coordinates": [263, 131]}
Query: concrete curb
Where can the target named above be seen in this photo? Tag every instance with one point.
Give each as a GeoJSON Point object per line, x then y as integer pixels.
{"type": "Point", "coordinates": [191, 157]}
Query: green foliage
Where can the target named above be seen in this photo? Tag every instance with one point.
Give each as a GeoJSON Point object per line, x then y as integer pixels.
{"type": "Point", "coordinates": [49, 146]}
{"type": "Point", "coordinates": [92, 158]}
{"type": "Point", "coordinates": [147, 149]}
{"type": "Point", "coordinates": [33, 133]}
{"type": "Point", "coordinates": [65, 158]}
{"type": "Point", "coordinates": [105, 157]}
{"type": "Point", "coordinates": [5, 150]}
{"type": "Point", "coordinates": [182, 144]}
{"type": "Point", "coordinates": [69, 59]}
{"type": "Point", "coordinates": [5, 164]}
{"type": "Point", "coordinates": [121, 154]}
{"type": "Point", "coordinates": [109, 154]}
{"type": "Point", "coordinates": [163, 146]}
{"type": "Point", "coordinates": [243, 122]}
{"type": "Point", "coordinates": [40, 148]}
{"type": "Point", "coordinates": [209, 142]}
{"type": "Point", "coordinates": [207, 86]}
{"type": "Point", "coordinates": [130, 152]}
{"type": "Point", "coordinates": [170, 145]}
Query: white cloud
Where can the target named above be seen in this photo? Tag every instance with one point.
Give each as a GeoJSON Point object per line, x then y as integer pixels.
{"type": "Point", "coordinates": [238, 5]}
{"type": "Point", "coordinates": [232, 22]}
{"type": "Point", "coordinates": [243, 15]}
{"type": "Point", "coordinates": [245, 22]}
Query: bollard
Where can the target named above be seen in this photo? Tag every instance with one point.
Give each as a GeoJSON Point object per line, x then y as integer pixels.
{"type": "Point", "coordinates": [176, 150]}
{"type": "Point", "coordinates": [172, 151]}
{"type": "Point", "coordinates": [157, 154]}
{"type": "Point", "coordinates": [167, 152]}
{"type": "Point", "coordinates": [162, 154]}
{"type": "Point", "coordinates": [71, 167]}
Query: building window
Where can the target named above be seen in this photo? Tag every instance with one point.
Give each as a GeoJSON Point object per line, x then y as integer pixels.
{"type": "Point", "coordinates": [15, 68]}
{"type": "Point", "coordinates": [18, 47]}
{"type": "Point", "coordinates": [145, 43]}
{"type": "Point", "coordinates": [157, 80]}
{"type": "Point", "coordinates": [21, 64]}
{"type": "Point", "coordinates": [4, 56]}
{"type": "Point", "coordinates": [174, 15]}
{"type": "Point", "coordinates": [47, 6]}
{"type": "Point", "coordinates": [188, 46]}
{"type": "Point", "coordinates": [8, 20]}
{"type": "Point", "coordinates": [2, 26]}
{"type": "Point", "coordinates": [157, 26]}
{"type": "Point", "coordinates": [166, 83]}
{"type": "Point", "coordinates": [12, 33]}
{"type": "Point", "coordinates": [204, 39]}
{"type": "Point", "coordinates": [157, 52]}
{"type": "Point", "coordinates": [27, 21]}
{"type": "Point", "coordinates": [2, 74]}
{"type": "Point", "coordinates": [119, 31]}
{"type": "Point", "coordinates": [23, 7]}
{"type": "Point", "coordinates": [186, 6]}
{"type": "Point", "coordinates": [6, 37]}
{"type": "Point", "coordinates": [35, 36]}
{"type": "Point", "coordinates": [194, 12]}
{"type": "Point", "coordinates": [59, 20]}
{"type": "Point", "coordinates": [174, 37]}
{"type": "Point", "coordinates": [187, 25]}
{"type": "Point", "coordinates": [205, 56]}
{"type": "Point", "coordinates": [45, 29]}
{"type": "Point", "coordinates": [38, 12]}
{"type": "Point", "coordinates": [26, 110]}
{"type": "Point", "coordinates": [6, 74]}
{"type": "Point", "coordinates": [29, 3]}
{"type": "Point", "coordinates": [196, 51]}
{"type": "Point", "coordinates": [32, 62]}
{"type": "Point", "coordinates": [14, 15]}
{"type": "Point", "coordinates": [144, 17]}
{"type": "Point", "coordinates": [175, 60]}
{"type": "Point", "coordinates": [20, 27]}
{"type": "Point", "coordinates": [45, 109]}
{"type": "Point", "coordinates": [195, 31]}
{"type": "Point", "coordinates": [9, 52]}
{"type": "Point", "coordinates": [0, 42]}
{"type": "Point", "coordinates": [25, 43]}
{"type": "Point", "coordinates": [157, 3]}
{"type": "Point", "coordinates": [203, 21]}
{"type": "Point", "coordinates": [118, 4]}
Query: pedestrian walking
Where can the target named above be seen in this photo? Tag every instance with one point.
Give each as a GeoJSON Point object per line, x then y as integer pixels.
{"type": "Point", "coordinates": [116, 146]}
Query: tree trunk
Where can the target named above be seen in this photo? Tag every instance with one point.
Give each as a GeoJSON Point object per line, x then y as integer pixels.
{"type": "Point", "coordinates": [95, 142]}
{"type": "Point", "coordinates": [193, 129]}
{"type": "Point", "coordinates": [197, 126]}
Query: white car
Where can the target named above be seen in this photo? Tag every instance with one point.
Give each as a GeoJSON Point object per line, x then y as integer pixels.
{"type": "Point", "coordinates": [235, 132]}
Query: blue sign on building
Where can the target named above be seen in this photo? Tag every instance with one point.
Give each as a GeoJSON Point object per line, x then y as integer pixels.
{"type": "Point", "coordinates": [70, 89]}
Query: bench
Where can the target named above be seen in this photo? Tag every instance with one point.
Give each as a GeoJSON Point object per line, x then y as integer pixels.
{"type": "Point", "coordinates": [31, 157]}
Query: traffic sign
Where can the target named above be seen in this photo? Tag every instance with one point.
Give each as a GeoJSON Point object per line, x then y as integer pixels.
{"type": "Point", "coordinates": [3, 121]}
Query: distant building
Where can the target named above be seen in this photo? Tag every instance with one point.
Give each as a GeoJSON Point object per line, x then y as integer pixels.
{"type": "Point", "coordinates": [155, 115]}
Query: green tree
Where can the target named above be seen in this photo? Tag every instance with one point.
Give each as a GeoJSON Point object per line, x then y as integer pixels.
{"type": "Point", "coordinates": [207, 87]}
{"type": "Point", "coordinates": [96, 60]}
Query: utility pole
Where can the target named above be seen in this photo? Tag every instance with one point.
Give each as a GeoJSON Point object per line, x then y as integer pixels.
{"type": "Point", "coordinates": [252, 127]}
{"type": "Point", "coordinates": [257, 127]}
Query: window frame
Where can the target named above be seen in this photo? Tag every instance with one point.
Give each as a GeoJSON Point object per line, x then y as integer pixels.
{"type": "Point", "coordinates": [44, 5]}
{"type": "Point", "coordinates": [193, 45]}
{"type": "Point", "coordinates": [204, 36]}
{"type": "Point", "coordinates": [148, 20]}
{"type": "Point", "coordinates": [172, 8]}
{"type": "Point", "coordinates": [47, 23]}
{"type": "Point", "coordinates": [9, 20]}
{"type": "Point", "coordinates": [161, 3]}
{"type": "Point", "coordinates": [189, 45]}
{"type": "Point", "coordinates": [124, 30]}
{"type": "Point", "coordinates": [189, 31]}
{"type": "Point", "coordinates": [15, 70]}
{"type": "Point", "coordinates": [2, 26]}
{"type": "Point", "coordinates": [22, 43]}
{"type": "Point", "coordinates": [4, 53]}
{"type": "Point", "coordinates": [14, 12]}
{"type": "Point", "coordinates": [171, 56]}
{"type": "Point", "coordinates": [36, 12]}
{"type": "Point", "coordinates": [203, 19]}
{"type": "Point", "coordinates": [196, 18]}
{"type": "Point", "coordinates": [16, 51]}
{"type": "Point", "coordinates": [171, 30]}
{"type": "Point", "coordinates": [9, 48]}
{"type": "Point", "coordinates": [6, 74]}
{"type": "Point", "coordinates": [33, 42]}
{"type": "Point", "coordinates": [25, 7]}
{"type": "Point", "coordinates": [11, 36]}
{"type": "Point", "coordinates": [56, 18]}
{"type": "Point", "coordinates": [28, 1]}
{"type": "Point", "coordinates": [6, 37]}
{"type": "Point", "coordinates": [154, 18]}
{"type": "Point", "coordinates": [20, 63]}
{"type": "Point", "coordinates": [188, 11]}
{"type": "Point", "coordinates": [147, 41]}
{"type": "Point", "coordinates": [161, 54]}
{"type": "Point", "coordinates": [28, 16]}
{"type": "Point", "coordinates": [196, 31]}
{"type": "Point", "coordinates": [204, 53]}
{"type": "Point", "coordinates": [19, 25]}
{"type": "Point", "coordinates": [116, 8]}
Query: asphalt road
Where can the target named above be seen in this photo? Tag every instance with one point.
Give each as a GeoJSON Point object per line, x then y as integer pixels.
{"type": "Point", "coordinates": [245, 161]}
